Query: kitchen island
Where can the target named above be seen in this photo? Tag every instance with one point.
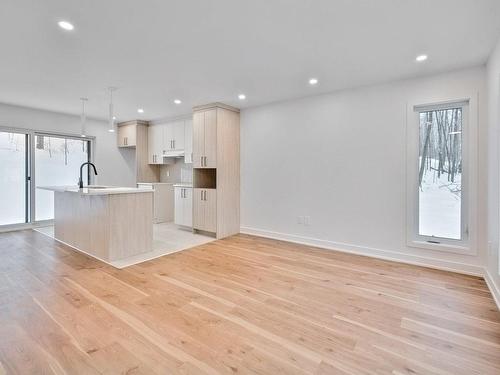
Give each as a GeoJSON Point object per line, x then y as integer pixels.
{"type": "Point", "coordinates": [108, 223]}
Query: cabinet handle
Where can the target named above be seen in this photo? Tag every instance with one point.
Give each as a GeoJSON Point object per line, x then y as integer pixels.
{"type": "Point", "coordinates": [173, 144]}
{"type": "Point", "coordinates": [126, 141]}
{"type": "Point", "coordinates": [205, 195]}
{"type": "Point", "coordinates": [201, 160]}
{"type": "Point", "coordinates": [201, 195]}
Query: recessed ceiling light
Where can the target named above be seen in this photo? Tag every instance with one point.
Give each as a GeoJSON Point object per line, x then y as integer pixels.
{"type": "Point", "coordinates": [66, 25]}
{"type": "Point", "coordinates": [111, 130]}
{"type": "Point", "coordinates": [421, 58]}
{"type": "Point", "coordinates": [242, 97]}
{"type": "Point", "coordinates": [140, 110]}
{"type": "Point", "coordinates": [313, 81]}
{"type": "Point", "coordinates": [177, 101]}
{"type": "Point", "coordinates": [114, 117]}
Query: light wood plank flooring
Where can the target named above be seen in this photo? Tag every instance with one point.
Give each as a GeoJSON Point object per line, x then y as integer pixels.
{"type": "Point", "coordinates": [243, 305]}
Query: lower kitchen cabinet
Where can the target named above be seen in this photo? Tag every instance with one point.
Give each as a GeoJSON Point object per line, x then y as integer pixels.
{"type": "Point", "coordinates": [163, 201]}
{"type": "Point", "coordinates": [205, 209]}
{"type": "Point", "coordinates": [183, 206]}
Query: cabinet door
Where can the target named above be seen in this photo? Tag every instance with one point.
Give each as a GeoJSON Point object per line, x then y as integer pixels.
{"type": "Point", "coordinates": [198, 209]}
{"type": "Point", "coordinates": [210, 138]}
{"type": "Point", "coordinates": [178, 131]}
{"type": "Point", "coordinates": [198, 139]}
{"type": "Point", "coordinates": [188, 141]}
{"type": "Point", "coordinates": [179, 206]}
{"type": "Point", "coordinates": [188, 207]}
{"type": "Point", "coordinates": [210, 221]}
{"type": "Point", "coordinates": [127, 136]}
{"type": "Point", "coordinates": [151, 145]}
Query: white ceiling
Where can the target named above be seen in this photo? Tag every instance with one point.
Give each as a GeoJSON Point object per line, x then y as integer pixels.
{"type": "Point", "coordinates": [203, 51]}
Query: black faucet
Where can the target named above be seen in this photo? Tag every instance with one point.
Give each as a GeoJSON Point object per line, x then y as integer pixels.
{"type": "Point", "coordinates": [80, 181]}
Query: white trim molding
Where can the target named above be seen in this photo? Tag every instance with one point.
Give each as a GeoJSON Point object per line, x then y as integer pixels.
{"type": "Point", "coordinates": [439, 264]}
{"type": "Point", "coordinates": [468, 269]}
{"type": "Point", "coordinates": [494, 289]}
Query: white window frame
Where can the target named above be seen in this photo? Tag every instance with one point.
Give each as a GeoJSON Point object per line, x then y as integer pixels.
{"type": "Point", "coordinates": [466, 245]}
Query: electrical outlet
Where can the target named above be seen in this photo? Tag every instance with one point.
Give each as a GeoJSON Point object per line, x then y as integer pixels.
{"type": "Point", "coordinates": [300, 219]}
{"type": "Point", "coordinates": [168, 173]}
{"type": "Point", "coordinates": [307, 220]}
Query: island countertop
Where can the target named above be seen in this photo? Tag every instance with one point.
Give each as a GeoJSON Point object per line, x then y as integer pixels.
{"type": "Point", "coordinates": [96, 189]}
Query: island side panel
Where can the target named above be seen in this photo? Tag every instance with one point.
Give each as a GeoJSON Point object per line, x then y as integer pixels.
{"type": "Point", "coordinates": [131, 224]}
{"type": "Point", "coordinates": [82, 222]}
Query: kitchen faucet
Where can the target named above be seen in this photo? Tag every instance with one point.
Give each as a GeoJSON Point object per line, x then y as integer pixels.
{"type": "Point", "coordinates": [80, 181]}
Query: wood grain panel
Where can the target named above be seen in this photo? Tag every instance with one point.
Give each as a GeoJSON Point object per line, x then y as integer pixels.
{"type": "Point", "coordinates": [242, 305]}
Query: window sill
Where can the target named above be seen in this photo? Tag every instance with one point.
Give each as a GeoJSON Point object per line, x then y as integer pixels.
{"type": "Point", "coordinates": [445, 247]}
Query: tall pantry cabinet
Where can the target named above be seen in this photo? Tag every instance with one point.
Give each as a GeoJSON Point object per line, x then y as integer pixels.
{"type": "Point", "coordinates": [216, 169]}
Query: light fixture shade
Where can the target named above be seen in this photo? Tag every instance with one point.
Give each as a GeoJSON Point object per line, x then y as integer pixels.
{"type": "Point", "coordinates": [83, 119]}
{"type": "Point", "coordinates": [111, 118]}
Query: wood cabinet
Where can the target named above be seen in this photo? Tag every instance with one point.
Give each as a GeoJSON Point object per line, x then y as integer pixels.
{"type": "Point", "coordinates": [127, 136]}
{"type": "Point", "coordinates": [205, 209]}
{"type": "Point", "coordinates": [134, 135]}
{"type": "Point", "coordinates": [163, 201]}
{"type": "Point", "coordinates": [166, 141]}
{"type": "Point", "coordinates": [216, 169]}
{"type": "Point", "coordinates": [205, 139]}
{"type": "Point", "coordinates": [183, 206]}
{"type": "Point", "coordinates": [155, 144]}
{"type": "Point", "coordinates": [174, 136]}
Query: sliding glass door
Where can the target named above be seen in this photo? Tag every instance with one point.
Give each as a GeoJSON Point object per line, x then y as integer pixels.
{"type": "Point", "coordinates": [57, 163]}
{"type": "Point", "coordinates": [14, 178]}
{"type": "Point", "coordinates": [28, 160]}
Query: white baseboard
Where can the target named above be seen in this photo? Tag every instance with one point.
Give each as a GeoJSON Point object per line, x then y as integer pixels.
{"type": "Point", "coordinates": [474, 270]}
{"type": "Point", "coordinates": [494, 289]}
{"type": "Point", "coordinates": [384, 254]}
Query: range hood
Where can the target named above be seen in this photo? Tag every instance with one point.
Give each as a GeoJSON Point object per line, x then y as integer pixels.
{"type": "Point", "coordinates": [173, 154]}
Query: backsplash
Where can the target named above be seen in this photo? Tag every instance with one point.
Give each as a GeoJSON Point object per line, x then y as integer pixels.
{"type": "Point", "coordinates": [178, 172]}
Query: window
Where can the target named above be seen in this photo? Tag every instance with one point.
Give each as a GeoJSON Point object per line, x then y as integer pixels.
{"type": "Point", "coordinates": [438, 177]}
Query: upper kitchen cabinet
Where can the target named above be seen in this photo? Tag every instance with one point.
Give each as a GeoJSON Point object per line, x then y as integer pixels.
{"type": "Point", "coordinates": [155, 144]}
{"type": "Point", "coordinates": [173, 138]}
{"type": "Point", "coordinates": [135, 135]}
{"type": "Point", "coordinates": [127, 134]}
{"type": "Point", "coordinates": [205, 138]}
{"type": "Point", "coordinates": [167, 141]}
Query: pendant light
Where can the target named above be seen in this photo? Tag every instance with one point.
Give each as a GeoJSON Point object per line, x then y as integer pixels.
{"type": "Point", "coordinates": [111, 116]}
{"type": "Point", "coordinates": [83, 119]}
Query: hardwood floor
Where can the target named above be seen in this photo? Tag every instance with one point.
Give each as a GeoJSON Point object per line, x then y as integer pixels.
{"type": "Point", "coordinates": [237, 306]}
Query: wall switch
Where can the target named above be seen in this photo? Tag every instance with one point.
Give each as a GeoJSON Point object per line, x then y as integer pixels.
{"type": "Point", "coordinates": [300, 219]}
{"type": "Point", "coordinates": [307, 220]}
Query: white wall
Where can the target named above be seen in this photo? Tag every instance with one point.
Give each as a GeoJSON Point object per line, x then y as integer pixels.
{"type": "Point", "coordinates": [340, 158]}
{"type": "Point", "coordinates": [115, 166]}
{"type": "Point", "coordinates": [493, 80]}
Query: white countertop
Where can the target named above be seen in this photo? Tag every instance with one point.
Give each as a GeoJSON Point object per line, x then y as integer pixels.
{"type": "Point", "coordinates": [96, 190]}
{"type": "Point", "coordinates": [155, 183]}
{"type": "Point", "coordinates": [184, 184]}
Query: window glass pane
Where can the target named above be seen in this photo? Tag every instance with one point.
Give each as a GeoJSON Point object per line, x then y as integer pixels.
{"type": "Point", "coordinates": [12, 178]}
{"type": "Point", "coordinates": [57, 163]}
{"type": "Point", "coordinates": [440, 173]}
